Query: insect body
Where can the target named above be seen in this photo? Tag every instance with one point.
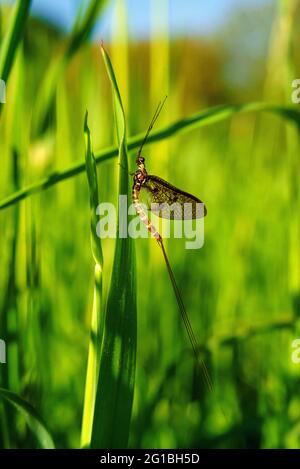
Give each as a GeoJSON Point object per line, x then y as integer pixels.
{"type": "Point", "coordinates": [139, 180]}
{"type": "Point", "coordinates": [167, 201]}
{"type": "Point", "coordinates": [164, 196]}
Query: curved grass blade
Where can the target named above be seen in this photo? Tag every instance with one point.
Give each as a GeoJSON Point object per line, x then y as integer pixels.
{"type": "Point", "coordinates": [97, 312]}
{"type": "Point", "coordinates": [33, 419]}
{"type": "Point", "coordinates": [118, 354]}
{"type": "Point", "coordinates": [12, 38]}
{"type": "Point", "coordinates": [202, 118]}
{"type": "Point", "coordinates": [83, 26]}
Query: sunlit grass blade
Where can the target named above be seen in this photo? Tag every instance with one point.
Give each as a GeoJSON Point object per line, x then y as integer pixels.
{"type": "Point", "coordinates": [288, 21]}
{"type": "Point", "coordinates": [118, 354]}
{"type": "Point", "coordinates": [202, 118]}
{"type": "Point", "coordinates": [9, 374]}
{"type": "Point", "coordinates": [160, 70]}
{"type": "Point", "coordinates": [97, 312]}
{"type": "Point", "coordinates": [12, 38]}
{"type": "Point", "coordinates": [119, 51]}
{"type": "Point", "coordinates": [33, 420]}
{"type": "Point", "coordinates": [94, 194]}
{"type": "Point", "coordinates": [84, 26]}
{"type": "Point", "coordinates": [82, 29]}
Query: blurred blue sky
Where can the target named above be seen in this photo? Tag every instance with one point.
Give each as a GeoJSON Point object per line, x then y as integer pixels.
{"type": "Point", "coordinates": [198, 17]}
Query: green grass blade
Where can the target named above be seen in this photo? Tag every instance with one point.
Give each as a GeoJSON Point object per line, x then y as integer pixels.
{"type": "Point", "coordinates": [117, 367]}
{"type": "Point", "coordinates": [202, 118]}
{"type": "Point", "coordinates": [12, 38]}
{"type": "Point", "coordinates": [33, 420]}
{"type": "Point", "coordinates": [81, 32]}
{"type": "Point", "coordinates": [94, 195]}
{"type": "Point", "coordinates": [97, 317]}
{"type": "Point", "coordinates": [83, 27]}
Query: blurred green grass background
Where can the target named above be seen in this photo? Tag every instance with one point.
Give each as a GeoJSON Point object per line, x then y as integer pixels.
{"type": "Point", "coordinates": [241, 289]}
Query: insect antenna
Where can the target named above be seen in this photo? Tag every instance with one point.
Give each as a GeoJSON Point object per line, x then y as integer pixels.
{"type": "Point", "coordinates": [154, 118]}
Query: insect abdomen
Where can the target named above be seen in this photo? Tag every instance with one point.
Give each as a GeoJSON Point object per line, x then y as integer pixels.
{"type": "Point", "coordinates": [141, 213]}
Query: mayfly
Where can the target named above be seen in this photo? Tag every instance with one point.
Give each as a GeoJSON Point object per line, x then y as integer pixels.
{"type": "Point", "coordinates": [163, 195]}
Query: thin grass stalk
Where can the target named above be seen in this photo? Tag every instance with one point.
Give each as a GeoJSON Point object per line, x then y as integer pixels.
{"type": "Point", "coordinates": [82, 30]}
{"type": "Point", "coordinates": [32, 417]}
{"type": "Point", "coordinates": [13, 38]}
{"type": "Point", "coordinates": [120, 51]}
{"type": "Point", "coordinates": [97, 311]}
{"type": "Point", "coordinates": [115, 386]}
{"type": "Point", "coordinates": [288, 11]}
{"type": "Point", "coordinates": [160, 65]}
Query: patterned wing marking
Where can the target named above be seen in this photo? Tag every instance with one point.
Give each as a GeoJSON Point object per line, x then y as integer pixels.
{"type": "Point", "coordinates": [168, 201]}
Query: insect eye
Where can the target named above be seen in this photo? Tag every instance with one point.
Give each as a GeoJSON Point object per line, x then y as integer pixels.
{"type": "Point", "coordinates": [141, 159]}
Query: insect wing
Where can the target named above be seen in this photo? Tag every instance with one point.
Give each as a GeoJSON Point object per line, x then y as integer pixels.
{"type": "Point", "coordinates": [168, 201]}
